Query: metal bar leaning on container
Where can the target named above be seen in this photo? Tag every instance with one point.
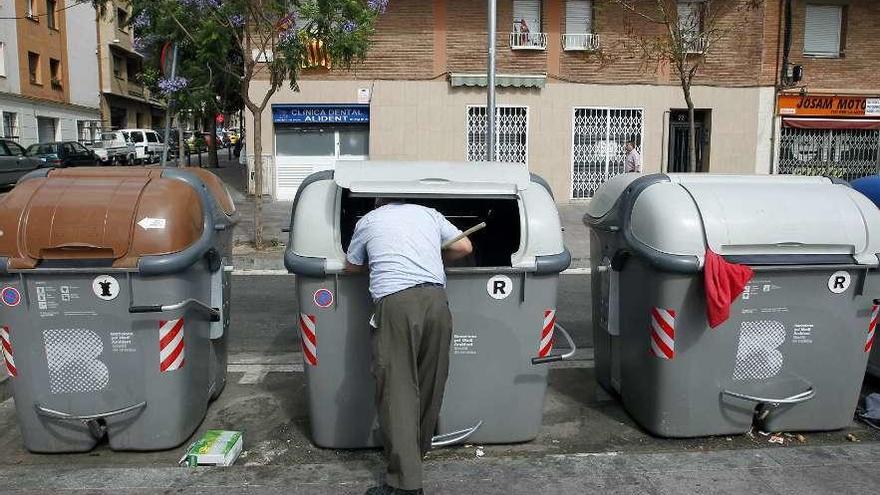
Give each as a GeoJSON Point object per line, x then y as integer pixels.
{"type": "Point", "coordinates": [794, 399]}
{"type": "Point", "coordinates": [475, 228]}
{"type": "Point", "coordinates": [213, 313]}
{"type": "Point", "coordinates": [558, 357]}
{"type": "Point", "coordinates": [454, 437]}
{"type": "Point", "coordinates": [51, 413]}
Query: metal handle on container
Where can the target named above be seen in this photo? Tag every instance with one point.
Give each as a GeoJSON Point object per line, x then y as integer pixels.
{"type": "Point", "coordinates": [558, 357]}
{"type": "Point", "coordinates": [455, 436]}
{"type": "Point", "coordinates": [794, 399]}
{"type": "Point", "coordinates": [51, 413]}
{"type": "Point", "coordinates": [213, 313]}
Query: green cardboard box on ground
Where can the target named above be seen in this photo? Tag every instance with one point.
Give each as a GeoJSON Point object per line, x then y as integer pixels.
{"type": "Point", "coordinates": [214, 448]}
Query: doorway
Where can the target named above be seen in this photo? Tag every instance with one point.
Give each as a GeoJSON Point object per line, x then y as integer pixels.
{"type": "Point", "coordinates": [47, 129]}
{"type": "Point", "coordinates": [679, 146]}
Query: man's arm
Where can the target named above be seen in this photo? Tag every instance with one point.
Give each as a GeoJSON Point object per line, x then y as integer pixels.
{"type": "Point", "coordinates": [459, 249]}
{"type": "Point", "coordinates": [354, 269]}
{"type": "Point", "coordinates": [356, 257]}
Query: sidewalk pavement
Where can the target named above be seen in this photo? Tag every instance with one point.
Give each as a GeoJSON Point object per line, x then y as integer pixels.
{"type": "Point", "coordinates": [276, 216]}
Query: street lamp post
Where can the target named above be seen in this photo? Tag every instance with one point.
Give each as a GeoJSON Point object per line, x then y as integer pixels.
{"type": "Point", "coordinates": [168, 113]}
{"type": "Point", "coordinates": [490, 83]}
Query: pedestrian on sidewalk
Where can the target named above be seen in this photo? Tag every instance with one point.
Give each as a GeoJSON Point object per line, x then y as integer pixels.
{"type": "Point", "coordinates": [400, 245]}
{"type": "Point", "coordinates": [633, 162]}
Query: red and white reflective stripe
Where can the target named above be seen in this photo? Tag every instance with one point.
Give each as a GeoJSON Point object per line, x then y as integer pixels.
{"type": "Point", "coordinates": [869, 342]}
{"type": "Point", "coordinates": [7, 351]}
{"type": "Point", "coordinates": [663, 333]}
{"type": "Point", "coordinates": [171, 345]}
{"type": "Point", "coordinates": [309, 338]}
{"type": "Point", "coordinates": [546, 345]}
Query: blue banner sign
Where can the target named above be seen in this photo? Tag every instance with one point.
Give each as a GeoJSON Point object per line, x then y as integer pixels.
{"type": "Point", "coordinates": [321, 114]}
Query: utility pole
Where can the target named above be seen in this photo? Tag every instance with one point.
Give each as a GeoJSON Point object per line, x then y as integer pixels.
{"type": "Point", "coordinates": [168, 113]}
{"type": "Point", "coordinates": [490, 104]}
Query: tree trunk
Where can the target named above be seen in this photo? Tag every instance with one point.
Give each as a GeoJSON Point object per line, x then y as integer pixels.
{"type": "Point", "coordinates": [258, 177]}
{"type": "Point", "coordinates": [213, 161]}
{"type": "Point", "coordinates": [692, 131]}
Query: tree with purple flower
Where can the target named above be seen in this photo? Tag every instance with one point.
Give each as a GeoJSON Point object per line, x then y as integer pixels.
{"type": "Point", "coordinates": [226, 45]}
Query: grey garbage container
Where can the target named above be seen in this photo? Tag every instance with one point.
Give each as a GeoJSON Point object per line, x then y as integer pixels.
{"type": "Point", "coordinates": [114, 306]}
{"type": "Point", "coordinates": [502, 299]}
{"type": "Point", "coordinates": [793, 353]}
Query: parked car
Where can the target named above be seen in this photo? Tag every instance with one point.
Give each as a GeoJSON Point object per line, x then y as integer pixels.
{"type": "Point", "coordinates": [14, 163]}
{"type": "Point", "coordinates": [63, 154]}
{"type": "Point", "coordinates": [147, 144]}
{"type": "Point", "coordinates": [114, 149]}
{"type": "Point", "coordinates": [197, 142]}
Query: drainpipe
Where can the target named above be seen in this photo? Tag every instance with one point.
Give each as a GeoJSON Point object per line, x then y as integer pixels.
{"type": "Point", "coordinates": [490, 83]}
{"type": "Point", "coordinates": [102, 101]}
{"type": "Point", "coordinates": [781, 79]}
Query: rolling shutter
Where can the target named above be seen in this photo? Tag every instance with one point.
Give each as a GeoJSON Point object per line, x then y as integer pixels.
{"type": "Point", "coordinates": [578, 16]}
{"type": "Point", "coordinates": [530, 11]}
{"type": "Point", "coordinates": [822, 30]}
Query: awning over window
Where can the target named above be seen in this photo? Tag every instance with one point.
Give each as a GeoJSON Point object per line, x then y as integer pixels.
{"type": "Point", "coordinates": [812, 123]}
{"type": "Point", "coordinates": [501, 80]}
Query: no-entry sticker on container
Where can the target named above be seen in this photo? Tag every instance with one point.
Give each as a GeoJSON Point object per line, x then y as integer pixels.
{"type": "Point", "coordinates": [323, 298]}
{"type": "Point", "coordinates": [10, 296]}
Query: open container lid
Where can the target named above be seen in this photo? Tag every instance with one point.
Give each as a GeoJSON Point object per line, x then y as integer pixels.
{"type": "Point", "coordinates": [403, 179]}
{"type": "Point", "coordinates": [756, 218]}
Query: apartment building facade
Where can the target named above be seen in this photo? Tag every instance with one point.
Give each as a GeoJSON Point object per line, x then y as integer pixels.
{"type": "Point", "coordinates": [125, 102]}
{"type": "Point", "coordinates": [571, 92]}
{"type": "Point", "coordinates": [48, 71]}
{"type": "Point", "coordinates": [828, 122]}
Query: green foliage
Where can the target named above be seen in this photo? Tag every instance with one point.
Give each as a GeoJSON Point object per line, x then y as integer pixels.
{"type": "Point", "coordinates": [217, 40]}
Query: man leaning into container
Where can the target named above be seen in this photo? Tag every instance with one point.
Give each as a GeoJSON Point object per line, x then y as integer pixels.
{"type": "Point", "coordinates": [413, 326]}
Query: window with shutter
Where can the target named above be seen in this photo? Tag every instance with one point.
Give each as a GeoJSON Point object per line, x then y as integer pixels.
{"type": "Point", "coordinates": [527, 16]}
{"type": "Point", "coordinates": [526, 30]}
{"type": "Point", "coordinates": [690, 25]}
{"type": "Point", "coordinates": [822, 30]}
{"type": "Point", "coordinates": [578, 16]}
{"type": "Point", "coordinates": [579, 26]}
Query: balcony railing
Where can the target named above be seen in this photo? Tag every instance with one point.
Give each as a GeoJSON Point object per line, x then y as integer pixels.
{"type": "Point", "coordinates": [528, 41]}
{"type": "Point", "coordinates": [695, 43]}
{"type": "Point", "coordinates": [580, 42]}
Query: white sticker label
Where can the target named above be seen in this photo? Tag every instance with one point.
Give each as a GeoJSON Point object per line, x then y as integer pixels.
{"type": "Point", "coordinates": [152, 223]}
{"type": "Point", "coordinates": [839, 282]}
{"type": "Point", "coordinates": [105, 287]}
{"type": "Point", "coordinates": [464, 344]}
{"type": "Point", "coordinates": [499, 287]}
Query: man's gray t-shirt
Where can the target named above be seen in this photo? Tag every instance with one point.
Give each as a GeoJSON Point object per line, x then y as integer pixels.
{"type": "Point", "coordinates": [402, 243]}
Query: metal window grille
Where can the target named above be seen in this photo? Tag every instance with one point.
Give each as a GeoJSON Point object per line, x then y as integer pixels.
{"type": "Point", "coordinates": [10, 126]}
{"type": "Point", "coordinates": [847, 154]}
{"type": "Point", "coordinates": [511, 134]}
{"type": "Point", "coordinates": [598, 153]}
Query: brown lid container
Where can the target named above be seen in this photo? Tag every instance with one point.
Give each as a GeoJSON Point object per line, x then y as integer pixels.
{"type": "Point", "coordinates": [117, 215]}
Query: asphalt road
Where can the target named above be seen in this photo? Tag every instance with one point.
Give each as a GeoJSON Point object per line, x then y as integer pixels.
{"type": "Point", "coordinates": [587, 442]}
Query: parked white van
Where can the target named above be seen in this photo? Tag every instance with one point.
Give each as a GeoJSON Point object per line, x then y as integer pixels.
{"type": "Point", "coordinates": [147, 144]}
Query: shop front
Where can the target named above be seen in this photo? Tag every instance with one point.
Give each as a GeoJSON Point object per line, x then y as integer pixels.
{"type": "Point", "coordinates": [830, 135]}
{"type": "Point", "coordinates": [313, 137]}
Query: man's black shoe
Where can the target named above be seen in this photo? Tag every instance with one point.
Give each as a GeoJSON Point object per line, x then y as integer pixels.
{"type": "Point", "coordinates": [390, 490]}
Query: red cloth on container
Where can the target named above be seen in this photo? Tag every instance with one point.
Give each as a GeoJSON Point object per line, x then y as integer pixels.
{"type": "Point", "coordinates": [724, 282]}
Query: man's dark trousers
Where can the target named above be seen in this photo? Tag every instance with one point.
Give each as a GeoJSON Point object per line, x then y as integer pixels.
{"type": "Point", "coordinates": [410, 363]}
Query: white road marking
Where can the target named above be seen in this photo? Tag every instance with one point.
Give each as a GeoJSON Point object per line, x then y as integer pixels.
{"type": "Point", "coordinates": [570, 271]}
